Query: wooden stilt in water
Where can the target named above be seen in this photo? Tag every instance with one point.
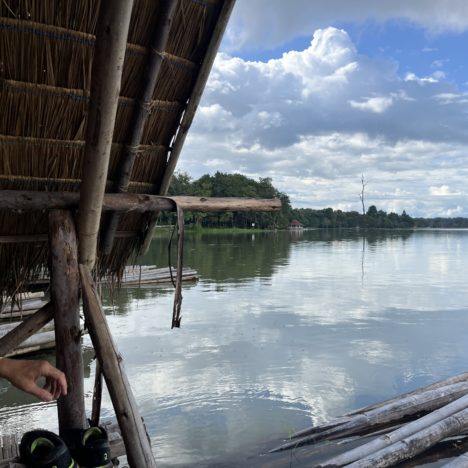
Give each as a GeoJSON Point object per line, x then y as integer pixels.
{"type": "Point", "coordinates": [136, 440]}
{"type": "Point", "coordinates": [26, 329]}
{"type": "Point", "coordinates": [97, 395]}
{"type": "Point", "coordinates": [65, 295]}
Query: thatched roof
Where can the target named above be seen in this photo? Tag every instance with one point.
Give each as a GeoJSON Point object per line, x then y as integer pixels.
{"type": "Point", "coordinates": [46, 57]}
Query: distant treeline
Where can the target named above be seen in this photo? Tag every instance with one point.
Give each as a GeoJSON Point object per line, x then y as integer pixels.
{"type": "Point", "coordinates": [238, 185]}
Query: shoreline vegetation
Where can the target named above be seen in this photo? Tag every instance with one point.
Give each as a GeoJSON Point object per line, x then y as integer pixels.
{"type": "Point", "coordinates": [238, 185]}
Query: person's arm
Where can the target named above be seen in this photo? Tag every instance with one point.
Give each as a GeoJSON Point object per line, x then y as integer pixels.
{"type": "Point", "coordinates": [24, 374]}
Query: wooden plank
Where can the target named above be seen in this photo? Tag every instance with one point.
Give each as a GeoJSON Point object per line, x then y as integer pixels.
{"type": "Point", "coordinates": [134, 434]}
{"type": "Point", "coordinates": [65, 295]}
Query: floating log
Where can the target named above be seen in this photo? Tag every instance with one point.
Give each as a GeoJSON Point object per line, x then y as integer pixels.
{"type": "Point", "coordinates": [132, 202]}
{"type": "Point", "coordinates": [463, 377]}
{"type": "Point", "coordinates": [416, 443]}
{"type": "Point", "coordinates": [399, 434]}
{"type": "Point", "coordinates": [441, 383]}
{"type": "Point", "coordinates": [372, 419]}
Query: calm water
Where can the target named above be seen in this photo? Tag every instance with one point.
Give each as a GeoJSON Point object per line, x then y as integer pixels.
{"type": "Point", "coordinates": [280, 332]}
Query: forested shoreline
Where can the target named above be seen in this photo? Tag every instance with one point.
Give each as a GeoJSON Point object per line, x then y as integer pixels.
{"type": "Point", "coordinates": [238, 185]}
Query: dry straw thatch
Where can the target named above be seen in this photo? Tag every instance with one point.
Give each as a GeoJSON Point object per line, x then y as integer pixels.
{"type": "Point", "coordinates": [46, 55]}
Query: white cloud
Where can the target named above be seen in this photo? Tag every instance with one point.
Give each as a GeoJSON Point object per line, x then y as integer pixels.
{"type": "Point", "coordinates": [315, 120]}
{"type": "Point", "coordinates": [270, 23]}
{"type": "Point", "coordinates": [374, 104]}
{"type": "Point", "coordinates": [442, 191]}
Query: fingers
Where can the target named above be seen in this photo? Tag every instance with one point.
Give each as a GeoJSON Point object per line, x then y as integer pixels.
{"type": "Point", "coordinates": [40, 393]}
{"type": "Point", "coordinates": [53, 375]}
{"type": "Point", "coordinates": [53, 387]}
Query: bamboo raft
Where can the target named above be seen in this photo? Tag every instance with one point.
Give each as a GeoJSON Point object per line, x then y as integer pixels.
{"type": "Point", "coordinates": [43, 340]}
{"type": "Point", "coordinates": [400, 429]}
{"type": "Point", "coordinates": [132, 276]}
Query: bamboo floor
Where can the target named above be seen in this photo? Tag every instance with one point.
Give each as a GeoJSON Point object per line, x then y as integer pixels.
{"type": "Point", "coordinates": [426, 426]}
{"type": "Point", "coordinates": [9, 450]}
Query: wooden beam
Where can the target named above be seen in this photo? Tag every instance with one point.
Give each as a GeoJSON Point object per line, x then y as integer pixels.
{"type": "Point", "coordinates": [26, 238]}
{"type": "Point", "coordinates": [136, 440]}
{"type": "Point", "coordinates": [106, 76]}
{"type": "Point", "coordinates": [65, 295]}
{"type": "Point", "coordinates": [142, 111]}
{"type": "Point", "coordinates": [25, 329]}
{"type": "Point", "coordinates": [132, 202]}
{"type": "Point", "coordinates": [187, 119]}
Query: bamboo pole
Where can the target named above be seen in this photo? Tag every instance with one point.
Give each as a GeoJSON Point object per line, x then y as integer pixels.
{"type": "Point", "coordinates": [441, 383]}
{"type": "Point", "coordinates": [111, 43]}
{"type": "Point", "coordinates": [25, 329]}
{"type": "Point", "coordinates": [132, 202]}
{"type": "Point", "coordinates": [142, 110]}
{"type": "Point", "coordinates": [401, 433]}
{"type": "Point", "coordinates": [65, 295]}
{"type": "Point", "coordinates": [392, 412]}
{"type": "Point", "coordinates": [133, 431]}
{"type": "Point", "coordinates": [416, 443]}
{"type": "Point", "coordinates": [192, 106]}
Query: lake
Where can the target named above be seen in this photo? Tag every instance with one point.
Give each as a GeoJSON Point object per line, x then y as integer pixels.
{"type": "Point", "coordinates": [283, 330]}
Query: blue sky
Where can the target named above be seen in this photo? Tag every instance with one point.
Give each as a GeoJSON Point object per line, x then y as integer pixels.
{"type": "Point", "coordinates": [315, 95]}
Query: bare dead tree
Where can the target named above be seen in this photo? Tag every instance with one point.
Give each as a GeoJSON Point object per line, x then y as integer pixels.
{"type": "Point", "coordinates": [361, 195]}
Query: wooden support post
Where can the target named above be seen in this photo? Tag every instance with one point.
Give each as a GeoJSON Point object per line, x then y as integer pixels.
{"type": "Point", "coordinates": [111, 44]}
{"type": "Point", "coordinates": [65, 295]}
{"type": "Point", "coordinates": [136, 440]}
{"type": "Point", "coordinates": [26, 329]}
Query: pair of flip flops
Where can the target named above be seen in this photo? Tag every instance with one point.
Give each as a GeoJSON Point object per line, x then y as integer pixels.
{"type": "Point", "coordinates": [84, 448]}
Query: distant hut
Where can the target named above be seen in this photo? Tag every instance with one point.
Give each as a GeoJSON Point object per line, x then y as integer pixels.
{"type": "Point", "coordinates": [295, 225]}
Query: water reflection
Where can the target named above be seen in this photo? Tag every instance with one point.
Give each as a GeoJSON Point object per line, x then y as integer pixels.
{"type": "Point", "coordinates": [282, 332]}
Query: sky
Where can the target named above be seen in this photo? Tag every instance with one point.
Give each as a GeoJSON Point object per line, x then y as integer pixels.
{"type": "Point", "coordinates": [316, 95]}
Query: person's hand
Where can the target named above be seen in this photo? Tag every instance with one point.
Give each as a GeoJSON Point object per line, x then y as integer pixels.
{"type": "Point", "coordinates": [24, 374]}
